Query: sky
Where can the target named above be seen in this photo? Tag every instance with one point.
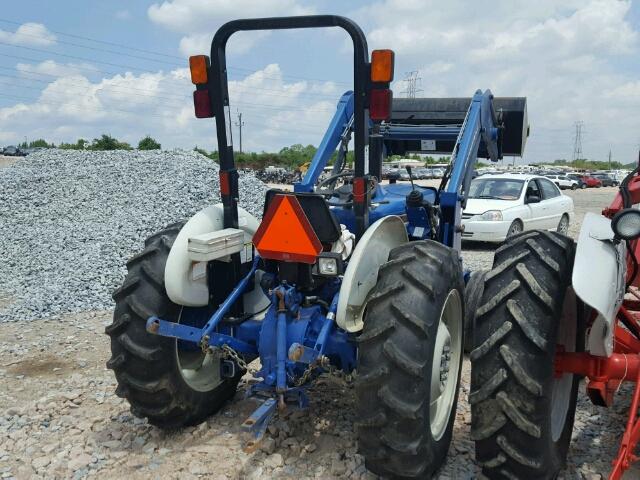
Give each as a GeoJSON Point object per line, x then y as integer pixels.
{"type": "Point", "coordinates": [78, 68]}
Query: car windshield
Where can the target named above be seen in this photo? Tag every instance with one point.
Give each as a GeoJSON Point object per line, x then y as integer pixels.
{"type": "Point", "coordinates": [496, 188]}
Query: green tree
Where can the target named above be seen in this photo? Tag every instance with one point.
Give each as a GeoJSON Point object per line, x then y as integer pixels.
{"type": "Point", "coordinates": [39, 143]}
{"type": "Point", "coordinates": [148, 143]}
{"type": "Point", "coordinates": [81, 144]}
{"type": "Point", "coordinates": [107, 142]}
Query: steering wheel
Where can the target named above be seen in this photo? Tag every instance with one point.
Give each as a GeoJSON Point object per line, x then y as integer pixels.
{"type": "Point", "coordinates": [330, 192]}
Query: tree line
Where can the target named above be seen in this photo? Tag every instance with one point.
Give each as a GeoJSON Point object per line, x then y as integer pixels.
{"type": "Point", "coordinates": [105, 142]}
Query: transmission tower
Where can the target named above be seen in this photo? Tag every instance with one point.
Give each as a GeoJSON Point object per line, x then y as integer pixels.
{"type": "Point", "coordinates": [577, 143]}
{"type": "Point", "coordinates": [412, 81]}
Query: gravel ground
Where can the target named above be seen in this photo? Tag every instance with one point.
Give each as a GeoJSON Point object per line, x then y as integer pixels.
{"type": "Point", "coordinates": [60, 418]}
{"type": "Point", "coordinates": [70, 220]}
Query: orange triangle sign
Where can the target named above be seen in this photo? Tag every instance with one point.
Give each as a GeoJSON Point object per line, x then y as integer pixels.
{"type": "Point", "coordinates": [285, 232]}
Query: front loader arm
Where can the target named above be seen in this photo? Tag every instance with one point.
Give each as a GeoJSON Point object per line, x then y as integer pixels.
{"type": "Point", "coordinates": [333, 136]}
{"type": "Point", "coordinates": [480, 124]}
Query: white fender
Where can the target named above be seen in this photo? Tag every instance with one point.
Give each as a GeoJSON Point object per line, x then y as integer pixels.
{"type": "Point", "coordinates": [599, 274]}
{"type": "Point", "coordinates": [362, 272]}
{"type": "Point", "coordinates": [179, 280]}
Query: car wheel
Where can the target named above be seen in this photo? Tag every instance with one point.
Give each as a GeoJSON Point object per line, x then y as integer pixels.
{"type": "Point", "coordinates": [583, 186]}
{"type": "Point", "coordinates": [515, 228]}
{"type": "Point", "coordinates": [563, 226]}
{"type": "Point", "coordinates": [574, 186]}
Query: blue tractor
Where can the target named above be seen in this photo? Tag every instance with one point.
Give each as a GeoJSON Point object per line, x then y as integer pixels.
{"type": "Point", "coordinates": [344, 274]}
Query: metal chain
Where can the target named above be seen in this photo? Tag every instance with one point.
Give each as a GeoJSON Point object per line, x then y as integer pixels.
{"type": "Point", "coordinates": [230, 353]}
{"type": "Point", "coordinates": [305, 376]}
{"type": "Point", "coordinates": [331, 370]}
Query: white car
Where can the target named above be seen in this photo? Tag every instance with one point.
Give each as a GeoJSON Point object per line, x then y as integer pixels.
{"type": "Point", "coordinates": [499, 206]}
{"type": "Point", "coordinates": [563, 181]}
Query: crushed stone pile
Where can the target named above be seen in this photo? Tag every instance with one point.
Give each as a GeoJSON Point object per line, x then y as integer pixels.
{"type": "Point", "coordinates": [69, 220]}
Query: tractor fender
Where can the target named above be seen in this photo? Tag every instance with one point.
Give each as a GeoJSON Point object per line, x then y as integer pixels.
{"type": "Point", "coordinates": [599, 274]}
{"type": "Point", "coordinates": [185, 288]}
{"type": "Point", "coordinates": [361, 275]}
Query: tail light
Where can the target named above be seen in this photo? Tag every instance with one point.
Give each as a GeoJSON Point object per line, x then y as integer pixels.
{"type": "Point", "coordinates": [380, 104]}
{"type": "Point", "coordinates": [199, 69]}
{"type": "Point", "coordinates": [382, 63]}
{"type": "Point", "coordinates": [380, 96]}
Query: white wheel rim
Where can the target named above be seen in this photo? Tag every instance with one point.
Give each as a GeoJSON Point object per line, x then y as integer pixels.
{"type": "Point", "coordinates": [564, 225]}
{"type": "Point", "coordinates": [200, 371]}
{"type": "Point", "coordinates": [514, 229]}
{"type": "Point", "coordinates": [446, 364]}
{"type": "Point", "coordinates": [562, 387]}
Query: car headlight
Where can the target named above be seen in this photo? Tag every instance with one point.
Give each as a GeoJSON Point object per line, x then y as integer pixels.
{"type": "Point", "coordinates": [626, 224]}
{"type": "Point", "coordinates": [491, 216]}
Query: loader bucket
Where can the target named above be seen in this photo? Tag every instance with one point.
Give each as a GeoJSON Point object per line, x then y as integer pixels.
{"type": "Point", "coordinates": [452, 111]}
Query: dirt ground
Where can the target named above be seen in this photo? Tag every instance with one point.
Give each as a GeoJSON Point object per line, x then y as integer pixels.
{"type": "Point", "coordinates": [60, 418]}
{"type": "Point", "coordinates": [6, 161]}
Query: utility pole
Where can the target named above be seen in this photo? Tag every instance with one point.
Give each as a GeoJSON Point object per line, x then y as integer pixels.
{"type": "Point", "coordinates": [240, 124]}
{"type": "Point", "coordinates": [577, 142]}
{"type": "Point", "coordinates": [609, 159]}
{"type": "Point", "coordinates": [412, 80]}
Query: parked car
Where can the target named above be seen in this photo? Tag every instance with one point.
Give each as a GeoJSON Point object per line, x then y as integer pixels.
{"type": "Point", "coordinates": [422, 173]}
{"type": "Point", "coordinates": [11, 151]}
{"type": "Point", "coordinates": [437, 172]}
{"type": "Point", "coordinates": [591, 181]}
{"type": "Point", "coordinates": [500, 206]}
{"type": "Point", "coordinates": [607, 181]}
{"type": "Point", "coordinates": [578, 178]}
{"type": "Point", "coordinates": [562, 181]}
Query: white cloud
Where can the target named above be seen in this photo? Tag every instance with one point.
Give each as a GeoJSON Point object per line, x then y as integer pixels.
{"type": "Point", "coordinates": [128, 106]}
{"type": "Point", "coordinates": [565, 57]}
{"type": "Point", "coordinates": [199, 19]}
{"type": "Point", "coordinates": [29, 34]}
{"type": "Point", "coordinates": [55, 69]}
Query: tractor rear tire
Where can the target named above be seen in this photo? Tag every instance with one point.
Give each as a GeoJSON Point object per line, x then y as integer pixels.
{"type": "Point", "coordinates": [147, 367]}
{"type": "Point", "coordinates": [415, 308]}
{"type": "Point", "coordinates": [522, 415]}
{"type": "Point", "coordinates": [472, 297]}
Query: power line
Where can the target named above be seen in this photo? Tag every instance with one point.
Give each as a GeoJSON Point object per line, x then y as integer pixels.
{"type": "Point", "coordinates": [412, 81]}
{"type": "Point", "coordinates": [180, 65]}
{"type": "Point", "coordinates": [577, 142]}
{"type": "Point", "coordinates": [113, 44]}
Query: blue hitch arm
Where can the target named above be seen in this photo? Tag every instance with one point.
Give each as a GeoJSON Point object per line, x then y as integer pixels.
{"type": "Point", "coordinates": [164, 328]}
{"type": "Point", "coordinates": [256, 424]}
{"type": "Point", "coordinates": [329, 143]}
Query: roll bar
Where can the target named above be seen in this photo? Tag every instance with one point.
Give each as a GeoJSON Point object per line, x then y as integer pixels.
{"type": "Point", "coordinates": [218, 87]}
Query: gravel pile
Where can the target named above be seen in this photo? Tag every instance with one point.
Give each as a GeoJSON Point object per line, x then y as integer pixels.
{"type": "Point", "coordinates": [70, 219]}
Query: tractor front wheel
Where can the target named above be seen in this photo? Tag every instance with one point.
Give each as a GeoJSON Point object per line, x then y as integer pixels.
{"type": "Point", "coordinates": [522, 412]}
{"type": "Point", "coordinates": [170, 383]}
{"type": "Point", "coordinates": [409, 361]}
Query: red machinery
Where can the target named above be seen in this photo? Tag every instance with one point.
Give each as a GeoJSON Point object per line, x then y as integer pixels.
{"type": "Point", "coordinates": [604, 375]}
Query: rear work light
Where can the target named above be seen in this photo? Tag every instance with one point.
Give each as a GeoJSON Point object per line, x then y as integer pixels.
{"type": "Point", "coordinates": [380, 104]}
{"type": "Point", "coordinates": [382, 62]}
